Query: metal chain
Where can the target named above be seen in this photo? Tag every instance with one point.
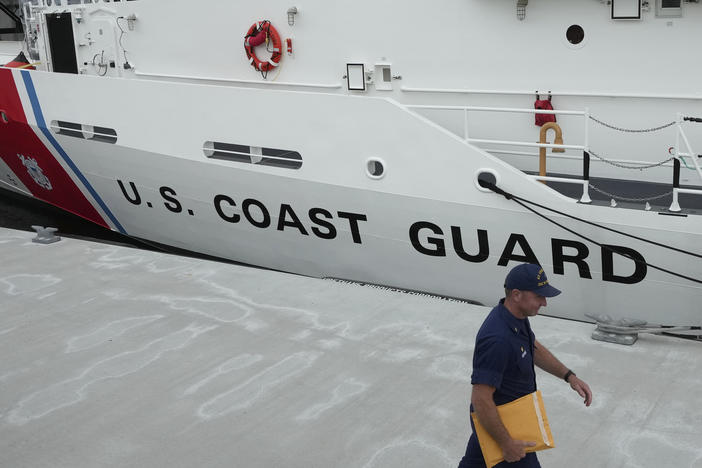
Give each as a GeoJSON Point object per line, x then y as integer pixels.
{"type": "Point", "coordinates": [624, 166]}
{"type": "Point", "coordinates": [620, 198]}
{"type": "Point", "coordinates": [631, 130]}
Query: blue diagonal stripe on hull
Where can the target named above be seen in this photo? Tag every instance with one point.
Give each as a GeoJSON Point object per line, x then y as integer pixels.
{"type": "Point", "coordinates": [26, 76]}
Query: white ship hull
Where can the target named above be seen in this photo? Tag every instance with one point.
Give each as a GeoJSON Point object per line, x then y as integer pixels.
{"type": "Point", "coordinates": [425, 225]}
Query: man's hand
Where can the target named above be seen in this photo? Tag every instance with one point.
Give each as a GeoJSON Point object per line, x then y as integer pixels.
{"type": "Point", "coordinates": [582, 388]}
{"type": "Point", "coordinates": [515, 450]}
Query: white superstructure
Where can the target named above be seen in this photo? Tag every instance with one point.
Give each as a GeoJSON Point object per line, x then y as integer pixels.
{"type": "Point", "coordinates": [357, 155]}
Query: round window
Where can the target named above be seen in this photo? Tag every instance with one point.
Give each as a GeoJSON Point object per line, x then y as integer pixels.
{"type": "Point", "coordinates": [575, 34]}
{"type": "Point", "coordinates": [3, 116]}
{"type": "Point", "coordinates": [375, 168]}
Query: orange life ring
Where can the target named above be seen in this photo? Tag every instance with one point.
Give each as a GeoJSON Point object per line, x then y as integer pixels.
{"type": "Point", "coordinates": [257, 33]}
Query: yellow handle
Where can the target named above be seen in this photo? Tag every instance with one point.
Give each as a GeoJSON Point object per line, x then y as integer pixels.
{"type": "Point", "coordinates": [30, 65]}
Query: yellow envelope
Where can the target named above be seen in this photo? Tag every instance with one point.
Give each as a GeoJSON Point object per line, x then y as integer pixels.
{"type": "Point", "coordinates": [525, 419]}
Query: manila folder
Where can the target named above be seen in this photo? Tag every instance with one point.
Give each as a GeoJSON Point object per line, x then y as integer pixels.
{"type": "Point", "coordinates": [525, 419]}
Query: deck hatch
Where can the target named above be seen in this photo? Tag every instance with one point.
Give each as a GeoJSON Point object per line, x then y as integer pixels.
{"type": "Point", "coordinates": [252, 155]}
{"type": "Point", "coordinates": [83, 131]}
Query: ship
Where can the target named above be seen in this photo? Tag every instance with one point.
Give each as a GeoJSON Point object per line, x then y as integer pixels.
{"type": "Point", "coordinates": [423, 147]}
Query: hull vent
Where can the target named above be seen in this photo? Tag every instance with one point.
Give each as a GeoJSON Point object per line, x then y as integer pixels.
{"type": "Point", "coordinates": [252, 155]}
{"type": "Point", "coordinates": [83, 131]}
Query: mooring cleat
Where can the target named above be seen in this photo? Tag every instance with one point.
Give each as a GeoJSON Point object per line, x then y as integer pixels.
{"type": "Point", "coordinates": [45, 235]}
{"type": "Point", "coordinates": [617, 338]}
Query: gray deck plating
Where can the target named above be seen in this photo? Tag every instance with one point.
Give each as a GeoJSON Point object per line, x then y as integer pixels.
{"type": "Point", "coordinates": [118, 357]}
{"type": "Point", "coordinates": [631, 189]}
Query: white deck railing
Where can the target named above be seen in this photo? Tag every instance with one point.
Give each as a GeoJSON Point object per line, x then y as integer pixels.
{"type": "Point", "coordinates": [680, 134]}
{"type": "Point", "coordinates": [585, 180]}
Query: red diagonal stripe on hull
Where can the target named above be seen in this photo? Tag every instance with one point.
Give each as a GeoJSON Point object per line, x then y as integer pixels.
{"type": "Point", "coordinates": [17, 138]}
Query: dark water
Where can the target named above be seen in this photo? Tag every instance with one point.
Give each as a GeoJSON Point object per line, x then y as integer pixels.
{"type": "Point", "coordinates": [20, 212]}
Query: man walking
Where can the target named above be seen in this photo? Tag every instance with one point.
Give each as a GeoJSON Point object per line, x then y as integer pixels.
{"type": "Point", "coordinates": [506, 351]}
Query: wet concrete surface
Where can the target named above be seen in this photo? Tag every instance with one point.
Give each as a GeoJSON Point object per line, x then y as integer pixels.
{"type": "Point", "coordinates": [114, 356]}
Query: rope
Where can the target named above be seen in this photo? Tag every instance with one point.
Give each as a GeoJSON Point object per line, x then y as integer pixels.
{"type": "Point", "coordinates": [519, 200]}
{"type": "Point", "coordinates": [682, 160]}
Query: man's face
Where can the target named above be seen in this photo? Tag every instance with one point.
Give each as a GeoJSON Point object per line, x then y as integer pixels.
{"type": "Point", "coordinates": [529, 303]}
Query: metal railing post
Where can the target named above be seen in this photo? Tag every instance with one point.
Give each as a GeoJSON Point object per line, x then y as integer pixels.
{"type": "Point", "coordinates": [675, 206]}
{"type": "Point", "coordinates": [586, 178]}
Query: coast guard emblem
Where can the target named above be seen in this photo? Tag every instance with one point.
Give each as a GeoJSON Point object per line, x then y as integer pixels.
{"type": "Point", "coordinates": [36, 172]}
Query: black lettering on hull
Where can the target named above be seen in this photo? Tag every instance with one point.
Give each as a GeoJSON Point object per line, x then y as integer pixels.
{"type": "Point", "coordinates": [508, 253]}
{"type": "Point", "coordinates": [265, 216]}
{"type": "Point", "coordinates": [608, 274]}
{"type": "Point", "coordinates": [560, 258]}
{"type": "Point", "coordinates": [285, 212]}
{"type": "Point", "coordinates": [433, 244]}
{"type": "Point", "coordinates": [439, 246]}
{"type": "Point", "coordinates": [172, 204]}
{"type": "Point", "coordinates": [315, 214]}
{"type": "Point", "coordinates": [223, 199]}
{"type": "Point", "coordinates": [137, 198]}
{"type": "Point", "coordinates": [353, 219]}
{"type": "Point", "coordinates": [483, 247]}
{"type": "Point", "coordinates": [321, 221]}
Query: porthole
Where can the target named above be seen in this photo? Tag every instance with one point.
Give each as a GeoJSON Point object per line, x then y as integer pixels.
{"type": "Point", "coordinates": [486, 176]}
{"type": "Point", "coordinates": [375, 168]}
{"type": "Point", "coordinates": [3, 117]}
{"type": "Point", "coordinates": [575, 34]}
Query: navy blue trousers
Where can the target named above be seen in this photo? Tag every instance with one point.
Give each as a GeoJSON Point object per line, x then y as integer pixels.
{"type": "Point", "coordinates": [474, 458]}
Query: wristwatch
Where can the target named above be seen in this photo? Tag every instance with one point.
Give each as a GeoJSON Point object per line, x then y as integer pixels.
{"type": "Point", "coordinates": [568, 374]}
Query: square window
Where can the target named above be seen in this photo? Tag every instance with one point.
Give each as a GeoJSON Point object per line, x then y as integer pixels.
{"type": "Point", "coordinates": [669, 8]}
{"type": "Point", "coordinates": [356, 76]}
{"type": "Point", "coordinates": [626, 9]}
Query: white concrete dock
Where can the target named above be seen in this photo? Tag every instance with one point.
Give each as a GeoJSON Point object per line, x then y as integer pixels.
{"type": "Point", "coordinates": [111, 356]}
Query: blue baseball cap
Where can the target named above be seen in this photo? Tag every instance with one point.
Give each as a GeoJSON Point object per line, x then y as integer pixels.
{"type": "Point", "coordinates": [530, 277]}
